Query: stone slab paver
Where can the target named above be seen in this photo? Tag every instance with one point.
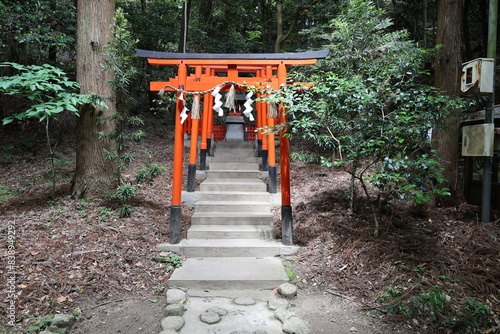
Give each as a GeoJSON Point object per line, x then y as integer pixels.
{"type": "Point", "coordinates": [239, 318]}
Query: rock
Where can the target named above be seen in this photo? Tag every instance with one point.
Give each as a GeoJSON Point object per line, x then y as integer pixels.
{"type": "Point", "coordinates": [260, 332]}
{"type": "Point", "coordinates": [168, 331]}
{"type": "Point", "coordinates": [275, 303]}
{"type": "Point", "coordinates": [46, 332]}
{"type": "Point", "coordinates": [210, 318]}
{"type": "Point", "coordinates": [61, 323]}
{"type": "Point", "coordinates": [173, 323]}
{"type": "Point", "coordinates": [218, 310]}
{"type": "Point", "coordinates": [283, 314]}
{"type": "Point", "coordinates": [245, 301]}
{"type": "Point", "coordinates": [176, 296]}
{"type": "Point", "coordinates": [174, 309]}
{"type": "Point", "coordinates": [287, 290]}
{"type": "Point", "coordinates": [353, 329]}
{"type": "Point", "coordinates": [294, 325]}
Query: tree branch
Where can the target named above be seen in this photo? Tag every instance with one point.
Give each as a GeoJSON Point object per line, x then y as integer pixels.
{"type": "Point", "coordinates": [280, 38]}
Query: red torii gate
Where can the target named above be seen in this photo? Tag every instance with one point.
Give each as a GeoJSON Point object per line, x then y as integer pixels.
{"type": "Point", "coordinates": [267, 71]}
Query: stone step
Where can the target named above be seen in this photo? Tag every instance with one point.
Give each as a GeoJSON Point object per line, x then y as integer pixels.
{"type": "Point", "coordinates": [233, 159]}
{"type": "Point", "coordinates": [229, 274]}
{"type": "Point", "coordinates": [234, 166]}
{"type": "Point", "coordinates": [233, 206]}
{"type": "Point", "coordinates": [248, 185]}
{"type": "Point", "coordinates": [225, 196]}
{"type": "Point", "coordinates": [230, 154]}
{"type": "Point", "coordinates": [232, 218]}
{"type": "Point", "coordinates": [234, 144]}
{"type": "Point", "coordinates": [231, 232]}
{"type": "Point", "coordinates": [225, 247]}
{"type": "Point", "coordinates": [233, 174]}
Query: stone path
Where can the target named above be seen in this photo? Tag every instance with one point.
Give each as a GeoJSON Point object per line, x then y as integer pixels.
{"type": "Point", "coordinates": [229, 281]}
{"type": "Point", "coordinates": [231, 312]}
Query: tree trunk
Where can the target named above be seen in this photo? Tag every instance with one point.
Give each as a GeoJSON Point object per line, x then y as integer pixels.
{"type": "Point", "coordinates": [279, 26]}
{"type": "Point", "coordinates": [184, 26]}
{"type": "Point", "coordinates": [94, 174]}
{"type": "Point", "coordinates": [53, 24]}
{"type": "Point", "coordinates": [447, 78]}
{"type": "Point", "coordinates": [205, 12]}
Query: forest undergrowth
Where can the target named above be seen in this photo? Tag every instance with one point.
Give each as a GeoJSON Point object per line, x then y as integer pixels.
{"type": "Point", "coordinates": [429, 270]}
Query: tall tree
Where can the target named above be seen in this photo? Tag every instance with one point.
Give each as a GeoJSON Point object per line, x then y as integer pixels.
{"type": "Point", "coordinates": [94, 174]}
{"type": "Point", "coordinates": [186, 8]}
{"type": "Point", "coordinates": [447, 78]}
{"type": "Point", "coordinates": [281, 37]}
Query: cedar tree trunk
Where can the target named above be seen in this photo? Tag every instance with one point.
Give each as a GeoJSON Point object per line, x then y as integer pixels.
{"type": "Point", "coordinates": [94, 174]}
{"type": "Point", "coordinates": [447, 79]}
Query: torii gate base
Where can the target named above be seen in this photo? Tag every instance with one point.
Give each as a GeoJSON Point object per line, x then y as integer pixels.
{"type": "Point", "coordinates": [262, 71]}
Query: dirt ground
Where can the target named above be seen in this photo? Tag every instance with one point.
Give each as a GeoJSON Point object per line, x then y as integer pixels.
{"type": "Point", "coordinates": [79, 256]}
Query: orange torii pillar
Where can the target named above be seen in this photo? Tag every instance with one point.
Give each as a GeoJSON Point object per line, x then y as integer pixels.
{"type": "Point", "coordinates": [286, 208]}
{"type": "Point", "coordinates": [258, 105]}
{"type": "Point", "coordinates": [210, 114]}
{"type": "Point", "coordinates": [259, 122]}
{"type": "Point", "coordinates": [204, 131]}
{"type": "Point", "coordinates": [264, 145]}
{"type": "Point", "coordinates": [271, 158]}
{"type": "Point", "coordinates": [175, 212]}
{"type": "Point", "coordinates": [193, 149]}
{"type": "Point", "coordinates": [271, 145]}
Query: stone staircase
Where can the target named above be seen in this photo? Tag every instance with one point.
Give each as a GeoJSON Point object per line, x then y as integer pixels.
{"type": "Point", "coordinates": [231, 242]}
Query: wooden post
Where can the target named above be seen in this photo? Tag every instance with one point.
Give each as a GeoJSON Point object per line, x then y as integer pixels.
{"type": "Point", "coordinates": [286, 208]}
{"type": "Point", "coordinates": [271, 146]}
{"type": "Point", "coordinates": [193, 149]}
{"type": "Point", "coordinates": [258, 122]}
{"type": "Point", "coordinates": [271, 149]}
{"type": "Point", "coordinates": [204, 132]}
{"type": "Point", "coordinates": [175, 213]}
{"type": "Point", "coordinates": [265, 146]}
{"type": "Point", "coordinates": [210, 120]}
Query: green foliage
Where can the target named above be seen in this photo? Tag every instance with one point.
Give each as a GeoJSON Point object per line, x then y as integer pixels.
{"type": "Point", "coordinates": [6, 194]}
{"type": "Point", "coordinates": [414, 179]}
{"type": "Point", "coordinates": [289, 273]}
{"type": "Point", "coordinates": [39, 324]}
{"type": "Point", "coordinates": [125, 192]}
{"type": "Point", "coordinates": [31, 28]}
{"type": "Point", "coordinates": [50, 93]}
{"type": "Point", "coordinates": [149, 173]}
{"type": "Point", "coordinates": [105, 212]}
{"type": "Point", "coordinates": [122, 60]}
{"type": "Point", "coordinates": [306, 157]}
{"type": "Point", "coordinates": [120, 136]}
{"type": "Point", "coordinates": [47, 87]}
{"type": "Point", "coordinates": [145, 26]}
{"type": "Point", "coordinates": [125, 210]}
{"type": "Point", "coordinates": [436, 306]}
{"type": "Point", "coordinates": [173, 259]}
{"type": "Point", "coordinates": [368, 111]}
{"type": "Point", "coordinates": [475, 316]}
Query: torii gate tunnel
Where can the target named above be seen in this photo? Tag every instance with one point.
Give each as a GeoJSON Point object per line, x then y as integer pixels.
{"type": "Point", "coordinates": [220, 71]}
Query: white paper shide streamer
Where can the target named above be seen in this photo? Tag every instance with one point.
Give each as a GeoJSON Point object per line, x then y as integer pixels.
{"type": "Point", "coordinates": [184, 110]}
{"type": "Point", "coordinates": [218, 103]}
{"type": "Point", "coordinates": [248, 106]}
